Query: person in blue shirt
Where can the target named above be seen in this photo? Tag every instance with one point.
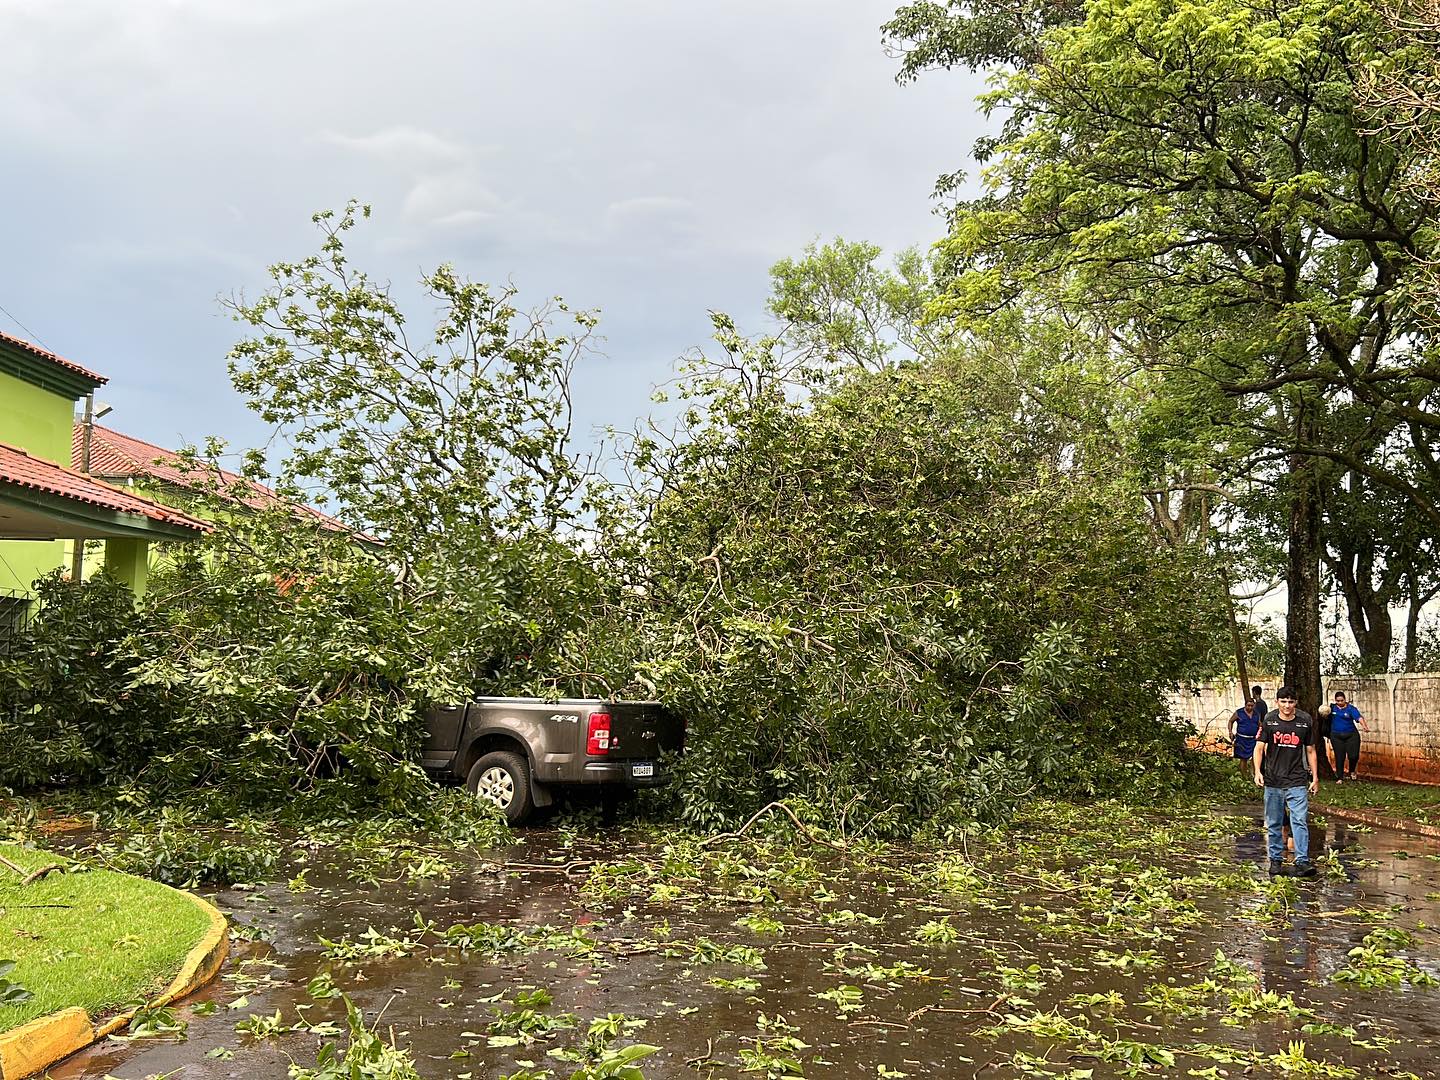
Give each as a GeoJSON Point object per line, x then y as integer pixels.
{"type": "Point", "coordinates": [1344, 736]}
{"type": "Point", "coordinates": [1244, 726]}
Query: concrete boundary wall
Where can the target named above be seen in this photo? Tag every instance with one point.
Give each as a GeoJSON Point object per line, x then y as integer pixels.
{"type": "Point", "coordinates": [1402, 711]}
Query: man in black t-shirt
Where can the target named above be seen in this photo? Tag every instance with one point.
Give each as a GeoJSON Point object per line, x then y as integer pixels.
{"type": "Point", "coordinates": [1285, 768]}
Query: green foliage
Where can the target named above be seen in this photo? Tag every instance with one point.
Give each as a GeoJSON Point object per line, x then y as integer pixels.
{"type": "Point", "coordinates": [526, 1023]}
{"type": "Point", "coordinates": [414, 437]}
{"type": "Point", "coordinates": [973, 33]}
{"type": "Point", "coordinates": [281, 663]}
{"type": "Point", "coordinates": [185, 858]}
{"type": "Point", "coordinates": [885, 572]}
{"type": "Point", "coordinates": [1198, 180]}
{"type": "Point", "coordinates": [264, 669]}
{"type": "Point", "coordinates": [615, 1062]}
{"type": "Point", "coordinates": [156, 1022]}
{"type": "Point", "coordinates": [840, 307]}
{"type": "Point", "coordinates": [905, 590]}
{"type": "Point", "coordinates": [776, 1050]}
{"type": "Point", "coordinates": [365, 1056]}
{"type": "Point", "coordinates": [1376, 961]}
{"type": "Point", "coordinates": [371, 945]}
{"type": "Point", "coordinates": [937, 932]}
{"type": "Point", "coordinates": [68, 707]}
{"type": "Point", "coordinates": [11, 992]}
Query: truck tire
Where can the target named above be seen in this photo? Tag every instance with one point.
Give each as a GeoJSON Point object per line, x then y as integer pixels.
{"type": "Point", "coordinates": [503, 778]}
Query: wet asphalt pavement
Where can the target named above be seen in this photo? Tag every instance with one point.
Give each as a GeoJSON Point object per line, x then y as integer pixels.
{"type": "Point", "coordinates": [701, 1006]}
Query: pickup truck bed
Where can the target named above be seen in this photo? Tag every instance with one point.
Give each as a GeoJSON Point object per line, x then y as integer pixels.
{"type": "Point", "coordinates": [517, 751]}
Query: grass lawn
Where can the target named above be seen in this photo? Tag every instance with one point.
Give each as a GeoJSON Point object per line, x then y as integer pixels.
{"type": "Point", "coordinates": [93, 938]}
{"type": "Point", "coordinates": [1419, 802]}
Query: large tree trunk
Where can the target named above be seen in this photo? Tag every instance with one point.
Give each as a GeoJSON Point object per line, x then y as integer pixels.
{"type": "Point", "coordinates": [1412, 638]}
{"type": "Point", "coordinates": [1367, 608]}
{"type": "Point", "coordinates": [1237, 639]}
{"type": "Point", "coordinates": [1417, 599]}
{"type": "Point", "coordinates": [1302, 581]}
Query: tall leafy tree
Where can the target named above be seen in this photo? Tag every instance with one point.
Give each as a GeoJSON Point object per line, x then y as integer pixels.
{"type": "Point", "coordinates": [1195, 175]}
{"type": "Point", "coordinates": [900, 593]}
{"type": "Point", "coordinates": [897, 570]}
{"type": "Point", "coordinates": [413, 433]}
{"type": "Point", "coordinates": [450, 441]}
{"type": "Point", "coordinates": [1400, 96]}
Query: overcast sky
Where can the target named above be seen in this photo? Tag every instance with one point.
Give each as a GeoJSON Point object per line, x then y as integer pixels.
{"type": "Point", "coordinates": [650, 159]}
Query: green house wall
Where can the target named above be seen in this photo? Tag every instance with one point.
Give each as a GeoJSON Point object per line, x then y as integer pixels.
{"type": "Point", "coordinates": [40, 422]}
{"type": "Point", "coordinates": [96, 557]}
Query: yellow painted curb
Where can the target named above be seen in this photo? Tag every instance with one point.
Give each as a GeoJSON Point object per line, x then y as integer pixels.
{"type": "Point", "coordinates": [42, 1042]}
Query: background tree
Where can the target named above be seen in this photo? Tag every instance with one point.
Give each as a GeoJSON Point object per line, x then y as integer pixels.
{"type": "Point", "coordinates": [1196, 177]}
{"type": "Point", "coordinates": [901, 573]}
{"type": "Point", "coordinates": [1401, 100]}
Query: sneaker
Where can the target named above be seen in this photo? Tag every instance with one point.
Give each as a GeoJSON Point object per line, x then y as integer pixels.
{"type": "Point", "coordinates": [1277, 867]}
{"type": "Point", "coordinates": [1304, 869]}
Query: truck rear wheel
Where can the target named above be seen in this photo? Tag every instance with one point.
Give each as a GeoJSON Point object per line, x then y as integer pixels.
{"type": "Point", "coordinates": [503, 778]}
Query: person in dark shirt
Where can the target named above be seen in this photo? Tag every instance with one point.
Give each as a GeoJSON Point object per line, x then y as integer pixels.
{"type": "Point", "coordinates": [1244, 726]}
{"type": "Point", "coordinates": [1345, 736]}
{"type": "Point", "coordinates": [1285, 768]}
{"type": "Point", "coordinates": [1256, 695]}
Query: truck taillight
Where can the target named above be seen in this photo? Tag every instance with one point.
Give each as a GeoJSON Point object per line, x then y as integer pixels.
{"type": "Point", "coordinates": [597, 735]}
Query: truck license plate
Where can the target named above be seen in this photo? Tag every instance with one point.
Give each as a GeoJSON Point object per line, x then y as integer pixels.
{"type": "Point", "coordinates": [642, 770]}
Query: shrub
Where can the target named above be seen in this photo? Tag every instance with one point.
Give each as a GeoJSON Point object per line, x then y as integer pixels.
{"type": "Point", "coordinates": [68, 708]}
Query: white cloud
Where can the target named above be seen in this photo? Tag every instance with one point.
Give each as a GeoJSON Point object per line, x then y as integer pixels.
{"type": "Point", "coordinates": [461, 219]}
{"type": "Point", "coordinates": [449, 197]}
{"type": "Point", "coordinates": [170, 252]}
{"type": "Point", "coordinates": [251, 13]}
{"type": "Point", "coordinates": [645, 207]}
{"type": "Point", "coordinates": [403, 145]}
{"type": "Point", "coordinates": [646, 157]}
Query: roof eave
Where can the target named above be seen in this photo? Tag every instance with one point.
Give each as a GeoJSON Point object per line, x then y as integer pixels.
{"type": "Point", "coordinates": [81, 520]}
{"type": "Point", "coordinates": [47, 374]}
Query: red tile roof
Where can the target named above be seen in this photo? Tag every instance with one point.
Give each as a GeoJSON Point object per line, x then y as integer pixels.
{"type": "Point", "coordinates": [36, 474]}
{"type": "Point", "coordinates": [116, 455]}
{"type": "Point", "coordinates": [46, 354]}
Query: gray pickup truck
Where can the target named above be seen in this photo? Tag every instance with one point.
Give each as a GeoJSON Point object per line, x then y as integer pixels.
{"type": "Point", "coordinates": [517, 751]}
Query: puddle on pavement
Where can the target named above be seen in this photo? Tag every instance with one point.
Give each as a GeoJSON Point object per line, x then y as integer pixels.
{"type": "Point", "coordinates": [703, 1014]}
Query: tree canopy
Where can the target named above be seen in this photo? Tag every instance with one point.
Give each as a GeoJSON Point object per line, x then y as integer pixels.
{"type": "Point", "coordinates": [1197, 180]}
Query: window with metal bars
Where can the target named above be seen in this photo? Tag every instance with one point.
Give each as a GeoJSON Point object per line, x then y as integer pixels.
{"type": "Point", "coordinates": [14, 613]}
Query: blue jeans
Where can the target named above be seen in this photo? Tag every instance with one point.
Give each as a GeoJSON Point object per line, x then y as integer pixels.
{"type": "Point", "coordinates": [1297, 800]}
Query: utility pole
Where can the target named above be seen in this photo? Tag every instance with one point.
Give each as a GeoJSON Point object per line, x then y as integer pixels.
{"type": "Point", "coordinates": [77, 558]}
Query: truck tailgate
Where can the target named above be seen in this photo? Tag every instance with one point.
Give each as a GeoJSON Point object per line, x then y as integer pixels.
{"type": "Point", "coordinates": [642, 730]}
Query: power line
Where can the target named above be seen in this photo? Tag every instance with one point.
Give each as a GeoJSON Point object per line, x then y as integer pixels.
{"type": "Point", "coordinates": [28, 332]}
